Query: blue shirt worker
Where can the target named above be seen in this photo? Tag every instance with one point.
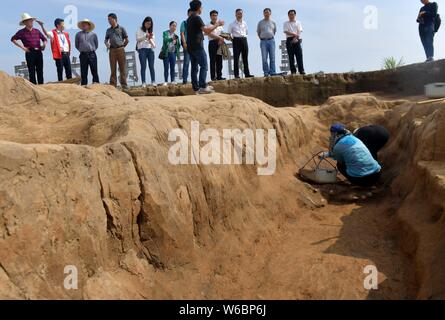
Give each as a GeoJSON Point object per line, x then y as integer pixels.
{"type": "Point", "coordinates": [354, 160]}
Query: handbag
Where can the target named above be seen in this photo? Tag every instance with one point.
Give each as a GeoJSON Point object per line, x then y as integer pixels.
{"type": "Point", "coordinates": [162, 55]}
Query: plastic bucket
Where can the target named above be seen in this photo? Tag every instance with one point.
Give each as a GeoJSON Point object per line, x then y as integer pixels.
{"type": "Point", "coordinates": [320, 176]}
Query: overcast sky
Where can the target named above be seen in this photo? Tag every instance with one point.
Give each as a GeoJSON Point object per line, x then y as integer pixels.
{"type": "Point", "coordinates": [339, 35]}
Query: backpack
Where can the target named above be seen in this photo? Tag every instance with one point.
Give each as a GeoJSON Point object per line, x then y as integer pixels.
{"type": "Point", "coordinates": [437, 23]}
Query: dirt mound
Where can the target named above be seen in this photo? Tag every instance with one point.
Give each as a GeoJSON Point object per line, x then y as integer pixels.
{"type": "Point", "coordinates": [85, 181]}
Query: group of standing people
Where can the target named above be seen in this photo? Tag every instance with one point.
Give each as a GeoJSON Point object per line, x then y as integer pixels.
{"type": "Point", "coordinates": [190, 38]}
{"type": "Point", "coordinates": [33, 42]}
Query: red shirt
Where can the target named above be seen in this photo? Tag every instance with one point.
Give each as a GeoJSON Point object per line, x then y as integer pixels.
{"type": "Point", "coordinates": [30, 38]}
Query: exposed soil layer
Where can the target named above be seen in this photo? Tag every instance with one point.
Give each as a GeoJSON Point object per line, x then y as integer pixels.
{"type": "Point", "coordinates": [85, 181]}
{"type": "Point", "coordinates": [315, 89]}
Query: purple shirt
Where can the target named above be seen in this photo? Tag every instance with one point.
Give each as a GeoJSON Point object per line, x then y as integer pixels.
{"type": "Point", "coordinates": [30, 38]}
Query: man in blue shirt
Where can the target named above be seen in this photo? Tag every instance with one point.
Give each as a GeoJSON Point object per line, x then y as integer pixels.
{"type": "Point", "coordinates": [186, 65]}
{"type": "Point", "coordinates": [427, 27]}
{"type": "Point", "coordinates": [354, 160]}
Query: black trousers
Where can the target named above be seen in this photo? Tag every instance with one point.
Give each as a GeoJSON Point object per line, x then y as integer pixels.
{"type": "Point", "coordinates": [88, 60]}
{"type": "Point", "coordinates": [374, 137]}
{"type": "Point", "coordinates": [216, 61]}
{"type": "Point", "coordinates": [295, 51]}
{"type": "Point", "coordinates": [241, 48]}
{"type": "Point", "coordinates": [34, 60]}
{"type": "Point", "coordinates": [61, 64]}
{"type": "Point", "coordinates": [367, 181]}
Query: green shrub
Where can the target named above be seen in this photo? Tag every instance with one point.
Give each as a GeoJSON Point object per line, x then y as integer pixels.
{"type": "Point", "coordinates": [391, 63]}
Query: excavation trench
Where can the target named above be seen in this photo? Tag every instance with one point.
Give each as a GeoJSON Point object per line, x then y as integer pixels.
{"type": "Point", "coordinates": [85, 180]}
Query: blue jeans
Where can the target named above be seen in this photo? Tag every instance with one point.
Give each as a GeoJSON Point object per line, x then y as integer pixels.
{"type": "Point", "coordinates": [268, 52]}
{"type": "Point", "coordinates": [169, 64]}
{"type": "Point", "coordinates": [186, 67]}
{"type": "Point", "coordinates": [426, 33]}
{"type": "Point", "coordinates": [145, 55]}
{"type": "Point", "coordinates": [198, 59]}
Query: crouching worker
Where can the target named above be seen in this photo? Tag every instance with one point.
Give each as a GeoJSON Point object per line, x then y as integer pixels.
{"type": "Point", "coordinates": [374, 137]}
{"type": "Point", "coordinates": [354, 160]}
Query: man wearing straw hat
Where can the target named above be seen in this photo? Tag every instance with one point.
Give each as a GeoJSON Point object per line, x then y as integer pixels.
{"type": "Point", "coordinates": [33, 42]}
{"type": "Point", "coordinates": [87, 44]}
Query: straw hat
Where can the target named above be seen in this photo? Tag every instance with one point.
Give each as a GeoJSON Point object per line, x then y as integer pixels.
{"type": "Point", "coordinates": [26, 16]}
{"type": "Point", "coordinates": [92, 25]}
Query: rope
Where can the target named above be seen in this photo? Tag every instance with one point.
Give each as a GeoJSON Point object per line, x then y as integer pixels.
{"type": "Point", "coordinates": [317, 165]}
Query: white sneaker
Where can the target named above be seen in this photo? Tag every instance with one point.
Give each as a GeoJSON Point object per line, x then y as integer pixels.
{"type": "Point", "coordinates": [210, 87]}
{"type": "Point", "coordinates": [144, 85]}
{"type": "Point", "coordinates": [154, 84]}
{"type": "Point", "coordinates": [205, 91]}
{"type": "Point", "coordinates": [165, 84]}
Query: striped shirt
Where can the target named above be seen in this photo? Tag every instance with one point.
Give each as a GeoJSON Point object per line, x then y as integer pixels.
{"type": "Point", "coordinates": [29, 38]}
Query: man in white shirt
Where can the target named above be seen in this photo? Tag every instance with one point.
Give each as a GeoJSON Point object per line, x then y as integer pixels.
{"type": "Point", "coordinates": [60, 47]}
{"type": "Point", "coordinates": [293, 30]}
{"type": "Point", "coordinates": [239, 31]}
{"type": "Point", "coordinates": [215, 40]}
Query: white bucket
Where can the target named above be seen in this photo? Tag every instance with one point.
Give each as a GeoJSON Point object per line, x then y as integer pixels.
{"type": "Point", "coordinates": [319, 175]}
{"type": "Point", "coordinates": [325, 175]}
{"type": "Point", "coordinates": [435, 90]}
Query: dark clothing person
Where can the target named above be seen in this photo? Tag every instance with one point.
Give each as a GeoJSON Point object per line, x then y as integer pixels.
{"type": "Point", "coordinates": [64, 63]}
{"type": "Point", "coordinates": [34, 60]}
{"type": "Point", "coordinates": [198, 60]}
{"type": "Point", "coordinates": [366, 182]}
{"type": "Point", "coordinates": [427, 37]}
{"type": "Point", "coordinates": [427, 23]}
{"type": "Point", "coordinates": [195, 36]}
{"type": "Point", "coordinates": [295, 51]}
{"type": "Point", "coordinates": [88, 60]}
{"type": "Point", "coordinates": [374, 137]}
{"type": "Point", "coordinates": [216, 61]}
{"type": "Point", "coordinates": [241, 48]}
{"type": "Point", "coordinates": [195, 47]}
{"type": "Point", "coordinates": [429, 17]}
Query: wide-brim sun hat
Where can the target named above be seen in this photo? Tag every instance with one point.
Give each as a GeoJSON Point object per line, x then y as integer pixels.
{"type": "Point", "coordinates": [91, 23]}
{"type": "Point", "coordinates": [25, 16]}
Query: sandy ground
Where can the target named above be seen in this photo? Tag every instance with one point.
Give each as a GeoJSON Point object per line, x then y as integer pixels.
{"type": "Point", "coordinates": [85, 181]}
